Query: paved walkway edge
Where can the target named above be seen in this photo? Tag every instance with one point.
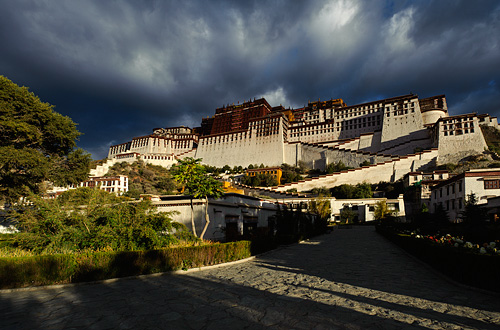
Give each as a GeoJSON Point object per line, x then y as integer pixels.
{"type": "Point", "coordinates": [112, 280]}
{"type": "Point", "coordinates": [440, 274]}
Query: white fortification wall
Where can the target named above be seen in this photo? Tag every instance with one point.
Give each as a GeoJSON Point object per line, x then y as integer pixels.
{"type": "Point", "coordinates": [400, 121]}
{"type": "Point", "coordinates": [319, 157]}
{"type": "Point", "coordinates": [388, 171]}
{"type": "Point", "coordinates": [268, 150]}
{"type": "Point", "coordinates": [451, 149]}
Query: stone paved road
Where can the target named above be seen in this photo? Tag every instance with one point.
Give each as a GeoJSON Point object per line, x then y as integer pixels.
{"type": "Point", "coordinates": [349, 279]}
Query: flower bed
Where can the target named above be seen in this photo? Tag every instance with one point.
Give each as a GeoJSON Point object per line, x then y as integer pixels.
{"type": "Point", "coordinates": [492, 248]}
{"type": "Point", "coordinates": [472, 264]}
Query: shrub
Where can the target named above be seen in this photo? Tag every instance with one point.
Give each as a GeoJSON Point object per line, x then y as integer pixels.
{"type": "Point", "coordinates": [92, 219]}
{"type": "Point", "coordinates": [470, 268]}
{"type": "Point", "coordinates": [92, 266]}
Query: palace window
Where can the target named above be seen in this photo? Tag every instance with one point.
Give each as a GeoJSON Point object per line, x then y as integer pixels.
{"type": "Point", "coordinates": [491, 184]}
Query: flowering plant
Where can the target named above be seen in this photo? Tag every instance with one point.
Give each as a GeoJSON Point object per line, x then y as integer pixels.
{"type": "Point", "coordinates": [459, 242]}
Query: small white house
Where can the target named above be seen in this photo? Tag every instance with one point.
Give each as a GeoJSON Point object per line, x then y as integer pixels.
{"type": "Point", "coordinates": [115, 184]}
{"type": "Point", "coordinates": [451, 194]}
{"type": "Point", "coordinates": [364, 208]}
{"type": "Point", "coordinates": [231, 217]}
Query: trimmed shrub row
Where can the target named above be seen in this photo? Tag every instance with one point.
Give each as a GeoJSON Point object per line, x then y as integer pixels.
{"type": "Point", "coordinates": [72, 268]}
{"type": "Point", "coordinates": [478, 270]}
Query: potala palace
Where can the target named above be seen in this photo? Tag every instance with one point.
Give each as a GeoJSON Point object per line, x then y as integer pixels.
{"type": "Point", "coordinates": [396, 136]}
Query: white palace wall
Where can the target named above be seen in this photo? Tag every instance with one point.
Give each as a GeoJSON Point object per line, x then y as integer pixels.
{"type": "Point", "coordinates": [400, 120]}
{"type": "Point", "coordinates": [458, 137]}
{"type": "Point", "coordinates": [318, 157]}
{"type": "Point", "coordinates": [389, 171]}
{"type": "Point", "coordinates": [226, 149]}
{"type": "Point", "coordinates": [372, 132]}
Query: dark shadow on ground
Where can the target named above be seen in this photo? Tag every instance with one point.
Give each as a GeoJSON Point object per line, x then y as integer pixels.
{"type": "Point", "coordinates": [333, 281]}
{"type": "Point", "coordinates": [362, 258]}
{"type": "Point", "coordinates": [173, 302]}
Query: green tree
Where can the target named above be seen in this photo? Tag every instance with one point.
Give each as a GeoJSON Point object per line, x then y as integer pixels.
{"type": "Point", "coordinates": [321, 207]}
{"type": "Point", "coordinates": [347, 215]}
{"type": "Point", "coordinates": [381, 210]}
{"type": "Point", "coordinates": [473, 213]}
{"type": "Point", "coordinates": [260, 180]}
{"type": "Point", "coordinates": [185, 172]}
{"type": "Point", "coordinates": [290, 174]}
{"type": "Point", "coordinates": [193, 177]}
{"type": "Point", "coordinates": [363, 190]}
{"type": "Point", "coordinates": [321, 191]}
{"type": "Point", "coordinates": [344, 191]}
{"type": "Point", "coordinates": [36, 145]}
{"type": "Point", "coordinates": [207, 187]}
{"type": "Point", "coordinates": [144, 178]}
{"type": "Point", "coordinates": [365, 163]}
{"type": "Point", "coordinates": [92, 219]}
{"type": "Point", "coordinates": [336, 167]}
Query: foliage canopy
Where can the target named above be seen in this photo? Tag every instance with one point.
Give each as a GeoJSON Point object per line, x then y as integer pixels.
{"type": "Point", "coordinates": [193, 177]}
{"type": "Point", "coordinates": [36, 144]}
{"type": "Point", "coordinates": [92, 219]}
{"type": "Point", "coordinates": [145, 178]}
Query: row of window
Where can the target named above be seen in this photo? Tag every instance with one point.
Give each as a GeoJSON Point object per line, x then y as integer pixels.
{"type": "Point", "coordinates": [355, 114]}
{"type": "Point", "coordinates": [459, 132]}
{"type": "Point", "coordinates": [184, 144]}
{"type": "Point", "coordinates": [139, 143]}
{"type": "Point", "coordinates": [398, 112]}
{"type": "Point", "coordinates": [158, 157]}
{"type": "Point", "coordinates": [451, 204]}
{"type": "Point", "coordinates": [449, 188]}
{"type": "Point", "coordinates": [224, 138]}
{"type": "Point", "coordinates": [492, 184]}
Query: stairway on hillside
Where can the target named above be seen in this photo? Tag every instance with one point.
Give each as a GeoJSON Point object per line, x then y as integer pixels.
{"type": "Point", "coordinates": [102, 169]}
{"type": "Point", "coordinates": [390, 170]}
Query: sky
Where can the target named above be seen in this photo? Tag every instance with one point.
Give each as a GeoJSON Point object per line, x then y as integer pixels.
{"type": "Point", "coordinates": [120, 69]}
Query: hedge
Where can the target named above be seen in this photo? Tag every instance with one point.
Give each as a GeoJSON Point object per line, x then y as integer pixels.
{"type": "Point", "coordinates": [72, 268]}
{"type": "Point", "coordinates": [478, 270]}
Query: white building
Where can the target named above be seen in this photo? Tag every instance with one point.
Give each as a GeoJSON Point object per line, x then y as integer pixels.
{"type": "Point", "coordinates": [364, 208]}
{"type": "Point", "coordinates": [395, 136]}
{"type": "Point", "coordinates": [452, 193]}
{"type": "Point", "coordinates": [232, 217]}
{"type": "Point", "coordinates": [115, 184]}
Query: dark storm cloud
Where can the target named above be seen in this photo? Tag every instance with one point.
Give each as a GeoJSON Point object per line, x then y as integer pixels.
{"type": "Point", "coordinates": [121, 68]}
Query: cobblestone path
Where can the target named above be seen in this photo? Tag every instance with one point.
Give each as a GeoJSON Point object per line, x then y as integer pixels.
{"type": "Point", "coordinates": [349, 279]}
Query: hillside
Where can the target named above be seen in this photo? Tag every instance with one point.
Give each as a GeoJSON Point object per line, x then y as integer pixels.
{"type": "Point", "coordinates": [145, 178]}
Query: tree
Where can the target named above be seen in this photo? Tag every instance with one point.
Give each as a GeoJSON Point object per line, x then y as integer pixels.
{"type": "Point", "coordinates": [290, 174]}
{"type": "Point", "coordinates": [440, 216]}
{"type": "Point", "coordinates": [321, 191]}
{"type": "Point", "coordinates": [185, 173]}
{"type": "Point", "coordinates": [347, 215]}
{"type": "Point", "coordinates": [260, 180]}
{"type": "Point", "coordinates": [344, 191]}
{"type": "Point", "coordinates": [145, 178]}
{"type": "Point", "coordinates": [36, 145]}
{"type": "Point", "coordinates": [93, 219]}
{"type": "Point", "coordinates": [321, 207]}
{"type": "Point", "coordinates": [473, 213]}
{"type": "Point", "coordinates": [336, 167]}
{"type": "Point", "coordinates": [365, 163]}
{"type": "Point", "coordinates": [207, 187]}
{"type": "Point", "coordinates": [194, 180]}
{"type": "Point", "coordinates": [381, 210]}
{"type": "Point", "coordinates": [363, 190]}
